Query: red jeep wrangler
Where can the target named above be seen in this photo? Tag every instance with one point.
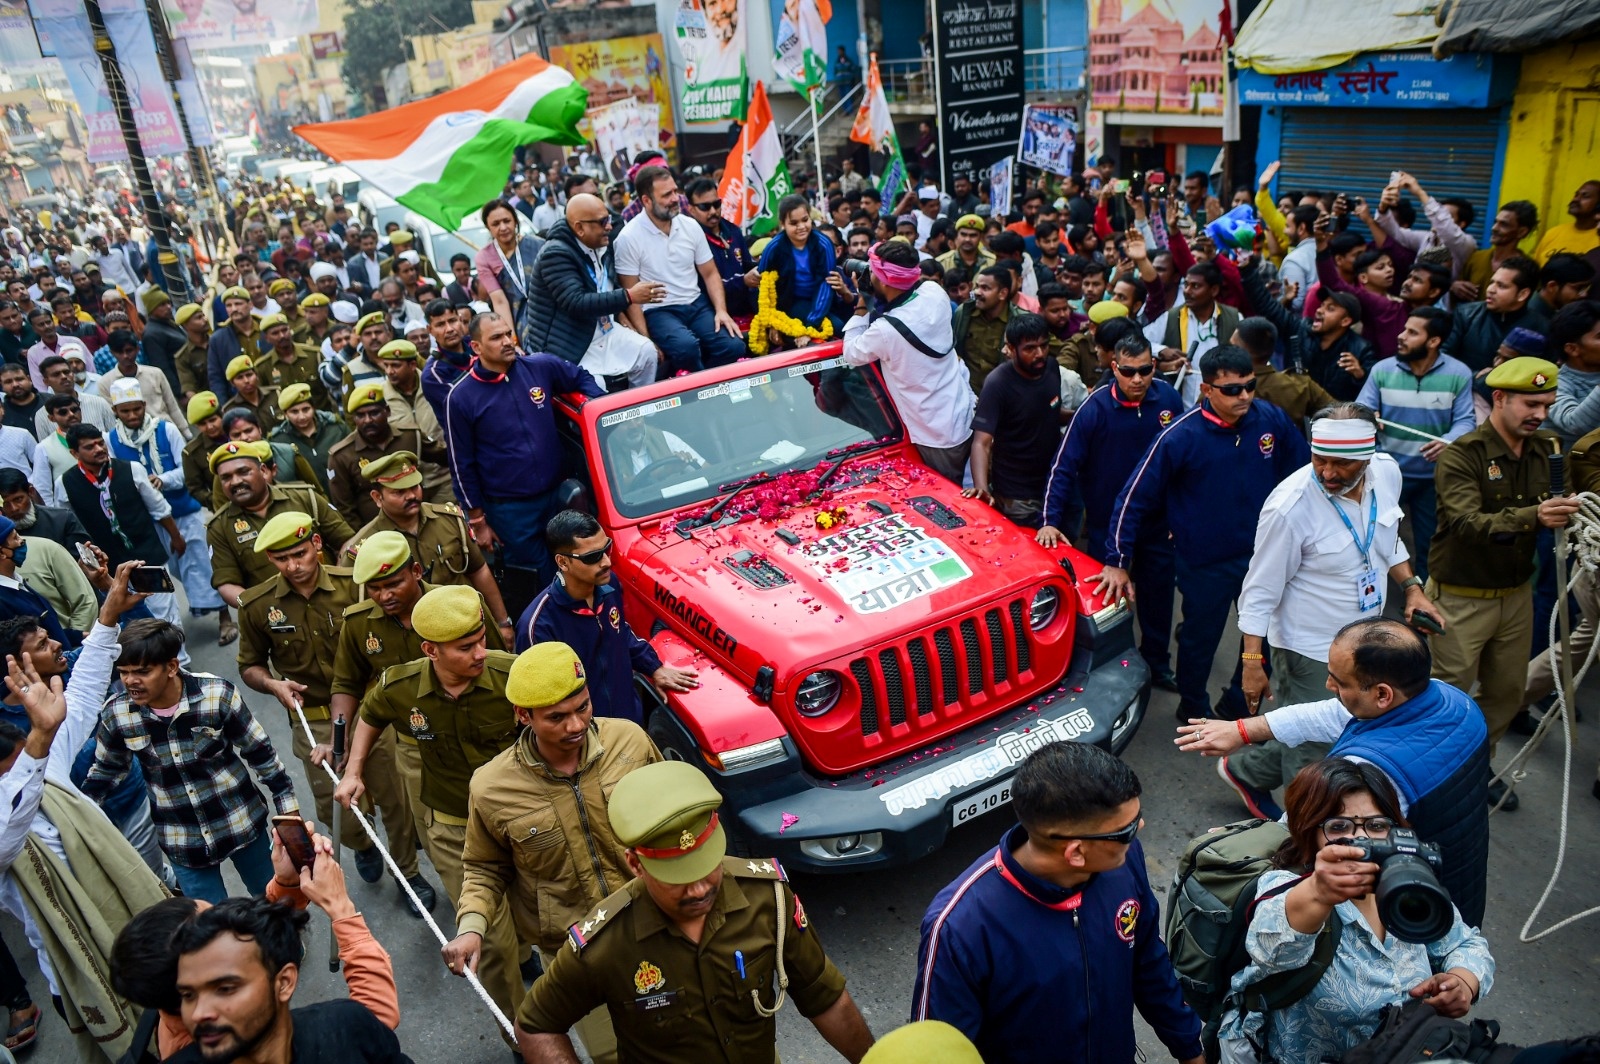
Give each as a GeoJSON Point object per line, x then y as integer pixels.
{"type": "Point", "coordinates": [876, 653]}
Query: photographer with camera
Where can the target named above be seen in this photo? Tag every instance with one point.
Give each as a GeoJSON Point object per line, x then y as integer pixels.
{"type": "Point", "coordinates": [908, 333]}
{"type": "Point", "coordinates": [1359, 871]}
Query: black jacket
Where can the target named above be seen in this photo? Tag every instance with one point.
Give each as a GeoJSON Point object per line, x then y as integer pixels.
{"type": "Point", "coordinates": [565, 302]}
{"type": "Point", "coordinates": [1303, 348]}
{"type": "Point", "coordinates": [162, 340]}
{"type": "Point", "coordinates": [1477, 332]}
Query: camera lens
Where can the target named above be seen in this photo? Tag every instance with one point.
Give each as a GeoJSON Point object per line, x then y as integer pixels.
{"type": "Point", "coordinates": [1412, 903]}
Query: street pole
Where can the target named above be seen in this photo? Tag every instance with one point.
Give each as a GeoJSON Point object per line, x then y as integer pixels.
{"type": "Point", "coordinates": [816, 142]}
{"type": "Point", "coordinates": [207, 199]}
{"type": "Point", "coordinates": [117, 90]}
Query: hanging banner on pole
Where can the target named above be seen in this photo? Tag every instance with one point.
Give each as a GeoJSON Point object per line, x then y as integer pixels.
{"type": "Point", "coordinates": [195, 109]}
{"type": "Point", "coordinates": [229, 23]}
{"type": "Point", "coordinates": [18, 45]}
{"type": "Point", "coordinates": [874, 127]}
{"type": "Point", "coordinates": [1000, 187]}
{"type": "Point", "coordinates": [711, 38]}
{"type": "Point", "coordinates": [1094, 137]}
{"type": "Point", "coordinates": [1049, 138]}
{"type": "Point", "coordinates": [800, 46]}
{"type": "Point", "coordinates": [67, 26]}
{"type": "Point", "coordinates": [755, 177]}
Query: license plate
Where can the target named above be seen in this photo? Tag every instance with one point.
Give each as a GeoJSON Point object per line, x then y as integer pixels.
{"type": "Point", "coordinates": [986, 801]}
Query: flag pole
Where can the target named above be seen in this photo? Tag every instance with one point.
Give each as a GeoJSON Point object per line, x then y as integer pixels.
{"type": "Point", "coordinates": [816, 138]}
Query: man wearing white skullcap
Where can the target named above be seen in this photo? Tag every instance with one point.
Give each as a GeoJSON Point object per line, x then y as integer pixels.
{"type": "Point", "coordinates": [1327, 543]}
{"type": "Point", "coordinates": [326, 280]}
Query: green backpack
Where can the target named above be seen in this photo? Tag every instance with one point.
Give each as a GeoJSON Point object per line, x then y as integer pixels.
{"type": "Point", "coordinates": [1213, 896]}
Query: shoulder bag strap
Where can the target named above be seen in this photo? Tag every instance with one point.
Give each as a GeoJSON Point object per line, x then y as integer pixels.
{"type": "Point", "coordinates": [912, 338]}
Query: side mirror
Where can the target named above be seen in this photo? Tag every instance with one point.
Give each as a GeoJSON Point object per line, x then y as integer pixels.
{"type": "Point", "coordinates": [573, 494]}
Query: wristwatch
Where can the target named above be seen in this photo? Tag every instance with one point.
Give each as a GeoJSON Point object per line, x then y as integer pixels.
{"type": "Point", "coordinates": [1410, 582]}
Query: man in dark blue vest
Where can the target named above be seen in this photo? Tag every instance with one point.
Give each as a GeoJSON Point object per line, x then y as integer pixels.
{"type": "Point", "coordinates": [1428, 737]}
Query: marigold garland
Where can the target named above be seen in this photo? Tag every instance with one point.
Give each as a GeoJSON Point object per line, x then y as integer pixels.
{"type": "Point", "coordinates": [768, 316]}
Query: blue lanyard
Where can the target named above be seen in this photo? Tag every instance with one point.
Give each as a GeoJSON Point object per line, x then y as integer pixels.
{"type": "Point", "coordinates": [1372, 521]}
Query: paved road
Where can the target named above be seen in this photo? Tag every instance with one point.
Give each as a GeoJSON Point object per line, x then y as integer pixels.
{"type": "Point", "coordinates": [869, 922]}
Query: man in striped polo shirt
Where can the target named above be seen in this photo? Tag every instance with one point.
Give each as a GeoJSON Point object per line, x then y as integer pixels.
{"type": "Point", "coordinates": [1423, 399]}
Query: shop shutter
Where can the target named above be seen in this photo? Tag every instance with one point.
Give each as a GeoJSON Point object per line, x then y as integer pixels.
{"type": "Point", "coordinates": [1451, 152]}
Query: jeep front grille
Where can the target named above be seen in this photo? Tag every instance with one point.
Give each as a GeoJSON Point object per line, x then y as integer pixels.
{"type": "Point", "coordinates": [988, 656]}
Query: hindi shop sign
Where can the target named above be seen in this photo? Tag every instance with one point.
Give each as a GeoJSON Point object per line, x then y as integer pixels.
{"type": "Point", "coordinates": [978, 56]}
{"type": "Point", "coordinates": [1380, 79]}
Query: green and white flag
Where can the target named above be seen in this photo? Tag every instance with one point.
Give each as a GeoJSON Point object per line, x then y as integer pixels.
{"type": "Point", "coordinates": [874, 127]}
{"type": "Point", "coordinates": [711, 39]}
{"type": "Point", "coordinates": [755, 177]}
{"type": "Point", "coordinates": [801, 48]}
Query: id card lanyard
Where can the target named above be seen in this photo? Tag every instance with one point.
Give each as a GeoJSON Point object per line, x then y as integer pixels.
{"type": "Point", "coordinates": [1367, 594]}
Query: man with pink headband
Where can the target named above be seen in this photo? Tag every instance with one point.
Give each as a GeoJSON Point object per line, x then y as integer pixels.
{"type": "Point", "coordinates": [908, 335]}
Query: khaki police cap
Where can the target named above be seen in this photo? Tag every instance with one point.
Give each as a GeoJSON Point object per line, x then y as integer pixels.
{"type": "Point", "coordinates": [1105, 310]}
{"type": "Point", "coordinates": [260, 451]}
{"type": "Point", "coordinates": [282, 284]}
{"type": "Point", "coordinates": [366, 395]}
{"type": "Point", "coordinates": [288, 529]}
{"type": "Point", "coordinates": [316, 299]}
{"type": "Point", "coordinates": [667, 814]}
{"type": "Point", "coordinates": [185, 312]}
{"type": "Point", "coordinates": [1525, 374]}
{"type": "Point", "coordinates": [294, 394]}
{"type": "Point", "coordinates": [925, 1040]}
{"type": "Point", "coordinates": [397, 470]}
{"type": "Point", "coordinates": [377, 317]}
{"type": "Point", "coordinates": [543, 675]}
{"type": "Point", "coordinates": [239, 364]}
{"type": "Point", "coordinates": [201, 406]}
{"type": "Point", "coordinates": [237, 291]}
{"type": "Point", "coordinates": [273, 319]}
{"type": "Point", "coordinates": [401, 238]}
{"type": "Point", "coordinates": [400, 350]}
{"type": "Point", "coordinates": [446, 614]}
{"type": "Point", "coordinates": [380, 555]}
{"type": "Point", "coordinates": [970, 221]}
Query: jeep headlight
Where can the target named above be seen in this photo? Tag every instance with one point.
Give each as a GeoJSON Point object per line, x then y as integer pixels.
{"type": "Point", "coordinates": [1044, 607]}
{"type": "Point", "coordinates": [818, 693]}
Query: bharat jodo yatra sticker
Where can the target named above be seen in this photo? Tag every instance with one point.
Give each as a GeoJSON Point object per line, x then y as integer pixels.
{"type": "Point", "coordinates": [884, 564]}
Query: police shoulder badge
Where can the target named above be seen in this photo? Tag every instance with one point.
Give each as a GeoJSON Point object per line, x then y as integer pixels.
{"type": "Point", "coordinates": [1267, 443]}
{"type": "Point", "coordinates": [1494, 471]}
{"type": "Point", "coordinates": [648, 978]}
{"type": "Point", "coordinates": [374, 644]}
{"type": "Point", "coordinates": [1127, 919]}
{"type": "Point", "coordinates": [276, 616]}
{"type": "Point", "coordinates": [615, 617]}
{"type": "Point", "coordinates": [801, 921]}
{"type": "Point", "coordinates": [1165, 418]}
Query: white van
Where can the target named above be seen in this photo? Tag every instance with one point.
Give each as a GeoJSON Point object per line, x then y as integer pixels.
{"type": "Point", "coordinates": [375, 209]}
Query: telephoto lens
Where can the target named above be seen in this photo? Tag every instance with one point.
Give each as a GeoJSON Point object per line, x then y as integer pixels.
{"type": "Point", "coordinates": [1412, 903]}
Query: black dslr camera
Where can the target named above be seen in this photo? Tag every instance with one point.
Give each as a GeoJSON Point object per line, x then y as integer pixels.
{"type": "Point", "coordinates": [1412, 903]}
{"type": "Point", "coordinates": [855, 269]}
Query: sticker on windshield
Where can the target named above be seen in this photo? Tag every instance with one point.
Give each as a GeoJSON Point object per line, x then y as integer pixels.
{"type": "Point", "coordinates": [815, 367]}
{"type": "Point", "coordinates": [640, 411]}
{"type": "Point", "coordinates": [885, 564]}
{"type": "Point", "coordinates": [737, 390]}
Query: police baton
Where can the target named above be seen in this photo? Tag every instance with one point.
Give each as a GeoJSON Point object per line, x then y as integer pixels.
{"type": "Point", "coordinates": [337, 825]}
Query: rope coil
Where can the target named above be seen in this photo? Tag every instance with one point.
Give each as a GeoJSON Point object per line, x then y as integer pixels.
{"type": "Point", "coordinates": [394, 869]}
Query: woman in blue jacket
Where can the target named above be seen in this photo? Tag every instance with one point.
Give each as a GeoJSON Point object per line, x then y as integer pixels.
{"type": "Point", "coordinates": [802, 258]}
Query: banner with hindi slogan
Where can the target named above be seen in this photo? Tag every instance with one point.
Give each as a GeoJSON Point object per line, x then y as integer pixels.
{"type": "Point", "coordinates": [800, 44]}
{"type": "Point", "coordinates": [67, 26]}
{"type": "Point", "coordinates": [711, 38]}
{"type": "Point", "coordinates": [874, 127]}
{"type": "Point", "coordinates": [1049, 138]}
{"type": "Point", "coordinates": [228, 23]}
{"type": "Point", "coordinates": [755, 177]}
{"type": "Point", "coordinates": [18, 45]}
{"type": "Point", "coordinates": [622, 130]}
{"type": "Point", "coordinates": [620, 67]}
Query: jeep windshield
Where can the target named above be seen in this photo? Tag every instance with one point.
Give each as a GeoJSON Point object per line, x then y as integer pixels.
{"type": "Point", "coordinates": [691, 447]}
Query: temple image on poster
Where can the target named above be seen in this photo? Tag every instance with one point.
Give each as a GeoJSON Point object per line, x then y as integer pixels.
{"type": "Point", "coordinates": [1159, 56]}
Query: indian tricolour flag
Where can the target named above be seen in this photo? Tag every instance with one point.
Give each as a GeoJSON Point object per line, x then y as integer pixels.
{"type": "Point", "coordinates": [755, 176]}
{"type": "Point", "coordinates": [874, 127]}
{"type": "Point", "coordinates": [801, 44]}
{"type": "Point", "coordinates": [448, 155]}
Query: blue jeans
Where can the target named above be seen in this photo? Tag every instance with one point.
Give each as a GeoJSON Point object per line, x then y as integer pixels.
{"type": "Point", "coordinates": [1208, 592]}
{"type": "Point", "coordinates": [687, 333]}
{"type": "Point", "coordinates": [1421, 505]}
{"type": "Point", "coordinates": [253, 862]}
{"type": "Point", "coordinates": [1153, 586]}
{"type": "Point", "coordinates": [520, 525]}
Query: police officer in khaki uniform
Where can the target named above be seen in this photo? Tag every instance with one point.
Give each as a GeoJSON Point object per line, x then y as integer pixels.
{"type": "Point", "coordinates": [252, 502]}
{"type": "Point", "coordinates": [374, 438]}
{"type": "Point", "coordinates": [190, 359]}
{"type": "Point", "coordinates": [695, 957]}
{"type": "Point", "coordinates": [249, 393]}
{"type": "Point", "coordinates": [287, 296]}
{"type": "Point", "coordinates": [401, 364]}
{"type": "Point", "coordinates": [1493, 486]}
{"type": "Point", "coordinates": [453, 702]}
{"type": "Point", "coordinates": [378, 633]}
{"type": "Point", "coordinates": [552, 784]}
{"type": "Point", "coordinates": [203, 412]}
{"type": "Point", "coordinates": [319, 323]}
{"type": "Point", "coordinates": [437, 533]}
{"type": "Point", "coordinates": [289, 362]}
{"type": "Point", "coordinates": [290, 625]}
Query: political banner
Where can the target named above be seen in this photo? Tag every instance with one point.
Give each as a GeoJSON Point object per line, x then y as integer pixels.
{"type": "Point", "coordinates": [618, 68]}
{"type": "Point", "coordinates": [755, 177]}
{"type": "Point", "coordinates": [193, 97]}
{"type": "Point", "coordinates": [1049, 138]}
{"type": "Point", "coordinates": [622, 130]}
{"type": "Point", "coordinates": [711, 38]}
{"type": "Point", "coordinates": [874, 127]}
{"type": "Point", "coordinates": [800, 45]}
{"type": "Point", "coordinates": [1000, 187]}
{"type": "Point", "coordinates": [1094, 137]}
{"type": "Point", "coordinates": [977, 49]}
{"type": "Point", "coordinates": [18, 45]}
{"type": "Point", "coordinates": [229, 23]}
{"type": "Point", "coordinates": [67, 25]}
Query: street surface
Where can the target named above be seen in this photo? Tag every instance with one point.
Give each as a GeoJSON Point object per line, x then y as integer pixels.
{"type": "Point", "coordinates": [869, 922]}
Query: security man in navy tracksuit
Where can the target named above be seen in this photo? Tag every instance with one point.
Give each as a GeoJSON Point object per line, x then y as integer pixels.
{"type": "Point", "coordinates": [1042, 949]}
{"type": "Point", "coordinates": [1209, 474]}
{"type": "Point", "coordinates": [1107, 436]}
{"type": "Point", "coordinates": [583, 609]}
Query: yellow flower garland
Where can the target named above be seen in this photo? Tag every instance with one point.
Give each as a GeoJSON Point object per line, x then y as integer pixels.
{"type": "Point", "coordinates": [768, 316]}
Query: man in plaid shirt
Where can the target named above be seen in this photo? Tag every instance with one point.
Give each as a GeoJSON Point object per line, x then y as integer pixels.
{"type": "Point", "coordinates": [193, 737]}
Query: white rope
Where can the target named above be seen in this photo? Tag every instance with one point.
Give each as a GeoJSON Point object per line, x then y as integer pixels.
{"type": "Point", "coordinates": [1584, 547]}
{"type": "Point", "coordinates": [1409, 431]}
{"type": "Point", "coordinates": [388, 859]}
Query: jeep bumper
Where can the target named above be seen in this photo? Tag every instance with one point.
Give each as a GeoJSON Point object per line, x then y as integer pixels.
{"type": "Point", "coordinates": [904, 808]}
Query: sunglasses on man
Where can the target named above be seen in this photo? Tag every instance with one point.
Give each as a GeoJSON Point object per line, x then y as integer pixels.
{"type": "Point", "coordinates": [591, 557]}
{"type": "Point", "coordinates": [1233, 391]}
{"type": "Point", "coordinates": [1122, 836]}
{"type": "Point", "coordinates": [708, 205]}
{"type": "Point", "coordinates": [1135, 371]}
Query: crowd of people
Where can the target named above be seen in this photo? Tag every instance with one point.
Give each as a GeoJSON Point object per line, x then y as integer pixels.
{"type": "Point", "coordinates": [349, 459]}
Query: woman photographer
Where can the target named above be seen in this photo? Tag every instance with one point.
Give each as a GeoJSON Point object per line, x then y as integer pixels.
{"type": "Point", "coordinates": [1327, 804]}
